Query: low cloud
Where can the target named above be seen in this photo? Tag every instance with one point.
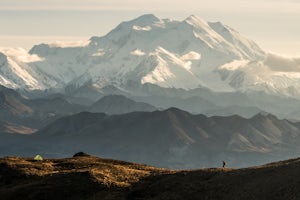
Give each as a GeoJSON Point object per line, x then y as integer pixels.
{"type": "Point", "coordinates": [284, 64]}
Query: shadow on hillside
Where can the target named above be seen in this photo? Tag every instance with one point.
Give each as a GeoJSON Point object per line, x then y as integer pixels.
{"type": "Point", "coordinates": [273, 182]}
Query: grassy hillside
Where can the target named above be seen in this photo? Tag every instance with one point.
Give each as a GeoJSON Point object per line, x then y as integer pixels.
{"type": "Point", "coordinates": [87, 177]}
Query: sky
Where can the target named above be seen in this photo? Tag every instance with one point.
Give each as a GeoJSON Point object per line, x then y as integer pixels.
{"type": "Point", "coordinates": [273, 24]}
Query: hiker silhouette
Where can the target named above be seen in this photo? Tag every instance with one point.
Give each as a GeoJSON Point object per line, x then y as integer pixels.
{"type": "Point", "coordinates": [224, 164]}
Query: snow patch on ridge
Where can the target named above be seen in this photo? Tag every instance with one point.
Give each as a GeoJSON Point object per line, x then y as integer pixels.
{"type": "Point", "coordinates": [7, 83]}
{"type": "Point", "coordinates": [137, 52]}
{"type": "Point", "coordinates": [21, 55]}
{"type": "Point", "coordinates": [234, 65]}
{"type": "Point", "coordinates": [192, 55]}
{"type": "Point", "coordinates": [140, 28]}
{"type": "Point", "coordinates": [170, 71]}
{"type": "Point", "coordinates": [27, 78]}
{"type": "Point", "coordinates": [99, 53]}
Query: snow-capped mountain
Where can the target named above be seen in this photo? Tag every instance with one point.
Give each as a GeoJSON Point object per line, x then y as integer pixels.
{"type": "Point", "coordinates": [167, 53]}
{"type": "Point", "coordinates": [184, 54]}
{"type": "Point", "coordinates": [17, 70]}
{"type": "Point", "coordinates": [273, 75]}
{"type": "Point", "coordinates": [164, 52]}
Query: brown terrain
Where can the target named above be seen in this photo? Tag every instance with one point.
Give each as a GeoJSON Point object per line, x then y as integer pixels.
{"type": "Point", "coordinates": [88, 177]}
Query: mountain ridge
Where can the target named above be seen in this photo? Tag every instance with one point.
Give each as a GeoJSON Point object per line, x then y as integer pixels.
{"type": "Point", "coordinates": [171, 138]}
{"type": "Point", "coordinates": [118, 104]}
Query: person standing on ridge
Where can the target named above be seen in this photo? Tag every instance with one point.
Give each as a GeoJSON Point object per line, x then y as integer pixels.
{"type": "Point", "coordinates": [224, 164]}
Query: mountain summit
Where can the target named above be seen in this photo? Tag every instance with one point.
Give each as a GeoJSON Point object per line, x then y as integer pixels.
{"type": "Point", "coordinates": [164, 52]}
{"type": "Point", "coordinates": [186, 54]}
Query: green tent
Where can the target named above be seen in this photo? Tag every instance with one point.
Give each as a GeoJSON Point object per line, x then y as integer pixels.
{"type": "Point", "coordinates": [38, 157]}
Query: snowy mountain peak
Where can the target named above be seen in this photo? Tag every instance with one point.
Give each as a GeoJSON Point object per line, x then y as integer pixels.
{"type": "Point", "coordinates": [147, 49]}
{"type": "Point", "coordinates": [144, 20]}
{"type": "Point", "coordinates": [3, 59]}
{"type": "Point", "coordinates": [186, 54]}
{"type": "Point", "coordinates": [195, 21]}
{"type": "Point", "coordinates": [39, 48]}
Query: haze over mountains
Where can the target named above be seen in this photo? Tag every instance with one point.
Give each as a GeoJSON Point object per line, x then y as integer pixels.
{"type": "Point", "coordinates": [36, 113]}
{"type": "Point", "coordinates": [118, 104]}
{"type": "Point", "coordinates": [170, 138]}
{"type": "Point", "coordinates": [175, 138]}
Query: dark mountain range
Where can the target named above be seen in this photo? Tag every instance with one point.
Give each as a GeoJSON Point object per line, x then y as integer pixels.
{"type": "Point", "coordinates": [57, 105]}
{"type": "Point", "coordinates": [169, 138]}
{"type": "Point", "coordinates": [202, 101]}
{"type": "Point", "coordinates": [32, 113]}
{"type": "Point", "coordinates": [88, 177]}
{"type": "Point", "coordinates": [118, 104]}
{"type": "Point", "coordinates": [243, 111]}
{"type": "Point", "coordinates": [72, 99]}
{"type": "Point", "coordinates": [11, 103]}
{"type": "Point", "coordinates": [36, 113]}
